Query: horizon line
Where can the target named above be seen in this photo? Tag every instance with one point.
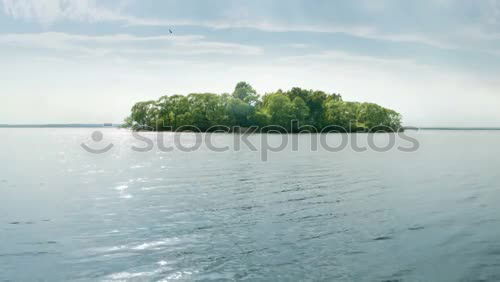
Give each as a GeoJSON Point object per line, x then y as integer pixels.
{"type": "Point", "coordinates": [111, 125]}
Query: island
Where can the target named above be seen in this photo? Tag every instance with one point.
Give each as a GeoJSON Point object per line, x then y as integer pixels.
{"type": "Point", "coordinates": [293, 111]}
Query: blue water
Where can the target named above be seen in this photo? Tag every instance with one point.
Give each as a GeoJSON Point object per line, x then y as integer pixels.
{"type": "Point", "coordinates": [429, 215]}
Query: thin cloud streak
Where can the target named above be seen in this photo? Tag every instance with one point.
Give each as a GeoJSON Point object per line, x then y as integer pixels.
{"type": "Point", "coordinates": [368, 32]}
{"type": "Point", "coordinates": [126, 43]}
{"type": "Point", "coordinates": [50, 11]}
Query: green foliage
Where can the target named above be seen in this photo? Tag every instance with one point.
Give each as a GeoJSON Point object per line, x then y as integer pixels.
{"type": "Point", "coordinates": [207, 110]}
{"type": "Point", "coordinates": [239, 112]}
{"type": "Point", "coordinates": [245, 92]}
{"type": "Point", "coordinates": [245, 108]}
{"type": "Point", "coordinates": [144, 114]}
{"type": "Point", "coordinates": [356, 116]}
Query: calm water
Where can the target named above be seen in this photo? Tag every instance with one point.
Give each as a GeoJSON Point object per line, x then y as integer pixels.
{"type": "Point", "coordinates": [66, 214]}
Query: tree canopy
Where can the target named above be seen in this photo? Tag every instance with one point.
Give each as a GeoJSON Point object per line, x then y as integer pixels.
{"type": "Point", "coordinates": [245, 108]}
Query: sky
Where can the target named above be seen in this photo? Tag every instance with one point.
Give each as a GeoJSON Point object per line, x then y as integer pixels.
{"type": "Point", "coordinates": [437, 62]}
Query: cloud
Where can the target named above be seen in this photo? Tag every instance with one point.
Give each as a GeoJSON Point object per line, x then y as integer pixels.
{"type": "Point", "coordinates": [125, 44]}
{"type": "Point", "coordinates": [494, 17]}
{"type": "Point", "coordinates": [240, 16]}
{"type": "Point", "coordinates": [328, 57]}
{"type": "Point", "coordinates": [363, 31]}
{"type": "Point", "coordinates": [49, 11]}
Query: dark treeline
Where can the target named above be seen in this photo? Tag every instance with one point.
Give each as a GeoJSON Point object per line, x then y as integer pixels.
{"type": "Point", "coordinates": [245, 108]}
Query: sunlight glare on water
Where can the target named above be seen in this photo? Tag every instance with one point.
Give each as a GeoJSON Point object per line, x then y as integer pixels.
{"type": "Point", "coordinates": [429, 215]}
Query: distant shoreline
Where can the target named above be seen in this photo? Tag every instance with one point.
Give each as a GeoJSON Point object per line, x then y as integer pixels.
{"type": "Point", "coordinates": [70, 125]}
{"type": "Point", "coordinates": [111, 125]}
{"type": "Point", "coordinates": [452, 128]}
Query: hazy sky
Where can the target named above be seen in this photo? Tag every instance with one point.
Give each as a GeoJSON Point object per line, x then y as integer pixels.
{"type": "Point", "coordinates": [435, 61]}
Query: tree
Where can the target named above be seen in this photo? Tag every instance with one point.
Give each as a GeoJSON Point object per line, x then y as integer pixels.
{"type": "Point", "coordinates": [315, 101]}
{"type": "Point", "coordinates": [245, 108]}
{"type": "Point", "coordinates": [239, 112]}
{"type": "Point", "coordinates": [280, 109]}
{"type": "Point", "coordinates": [144, 114]}
{"type": "Point", "coordinates": [174, 110]}
{"type": "Point", "coordinates": [300, 110]}
{"type": "Point", "coordinates": [207, 110]}
{"type": "Point", "coordinates": [340, 113]}
{"type": "Point", "coordinates": [375, 117]}
{"type": "Point", "coordinates": [245, 92]}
